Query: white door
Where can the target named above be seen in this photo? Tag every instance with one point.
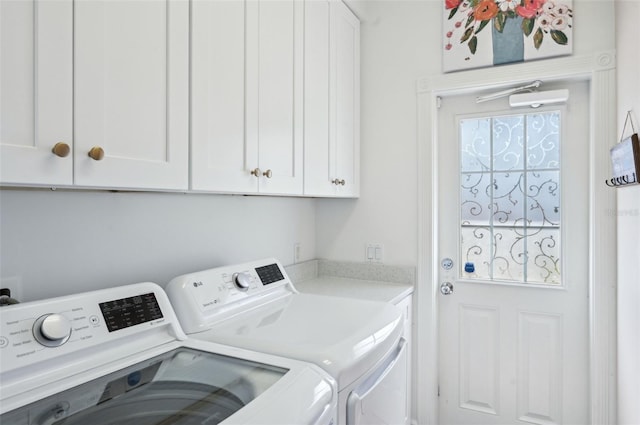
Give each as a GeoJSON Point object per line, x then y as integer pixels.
{"type": "Point", "coordinates": [513, 245]}
{"type": "Point", "coordinates": [131, 93]}
{"type": "Point", "coordinates": [274, 98]}
{"type": "Point", "coordinates": [344, 107]}
{"type": "Point", "coordinates": [332, 100]}
{"type": "Point", "coordinates": [36, 92]}
{"type": "Point", "coordinates": [218, 138]}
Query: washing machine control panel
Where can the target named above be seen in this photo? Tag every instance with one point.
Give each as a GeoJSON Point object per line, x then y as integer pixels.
{"type": "Point", "coordinates": [52, 330]}
{"type": "Point", "coordinates": [217, 293]}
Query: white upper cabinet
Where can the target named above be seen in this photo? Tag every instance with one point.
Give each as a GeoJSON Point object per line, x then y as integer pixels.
{"type": "Point", "coordinates": [243, 96]}
{"type": "Point", "coordinates": [332, 100]}
{"type": "Point", "coordinates": [36, 92]}
{"type": "Point", "coordinates": [106, 77]}
{"type": "Point", "coordinates": [131, 93]}
{"type": "Point", "coordinates": [247, 99]}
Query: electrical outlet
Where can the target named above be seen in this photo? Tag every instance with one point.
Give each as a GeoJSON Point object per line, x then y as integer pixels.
{"type": "Point", "coordinates": [374, 252]}
{"type": "Point", "coordinates": [297, 248]}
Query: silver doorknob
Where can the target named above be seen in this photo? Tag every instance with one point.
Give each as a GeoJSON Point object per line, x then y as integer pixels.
{"type": "Point", "coordinates": [446, 288]}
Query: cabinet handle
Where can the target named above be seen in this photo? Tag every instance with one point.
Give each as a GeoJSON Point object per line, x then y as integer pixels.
{"type": "Point", "coordinates": [96, 153]}
{"type": "Point", "coordinates": [61, 149]}
{"type": "Point", "coordinates": [255, 172]}
{"type": "Point", "coordinates": [268, 174]}
{"type": "Point", "coordinates": [338, 182]}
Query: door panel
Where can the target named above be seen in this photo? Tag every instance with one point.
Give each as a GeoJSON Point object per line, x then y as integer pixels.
{"type": "Point", "coordinates": [36, 48]}
{"type": "Point", "coordinates": [219, 157]}
{"type": "Point", "coordinates": [345, 96]}
{"type": "Point", "coordinates": [514, 331]}
{"type": "Point", "coordinates": [275, 62]}
{"type": "Point", "coordinates": [131, 93]}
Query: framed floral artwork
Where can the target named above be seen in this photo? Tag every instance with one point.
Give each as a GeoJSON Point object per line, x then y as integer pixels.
{"type": "Point", "coordinates": [480, 33]}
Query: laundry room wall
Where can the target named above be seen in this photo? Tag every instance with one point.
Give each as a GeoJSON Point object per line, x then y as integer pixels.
{"type": "Point", "coordinates": [628, 216]}
{"type": "Point", "coordinates": [401, 41]}
{"type": "Point", "coordinates": [60, 242]}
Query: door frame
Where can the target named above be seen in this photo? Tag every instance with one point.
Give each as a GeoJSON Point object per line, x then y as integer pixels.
{"type": "Point", "coordinates": [599, 70]}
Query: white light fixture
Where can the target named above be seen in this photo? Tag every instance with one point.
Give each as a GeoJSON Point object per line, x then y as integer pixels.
{"type": "Point", "coordinates": [538, 98]}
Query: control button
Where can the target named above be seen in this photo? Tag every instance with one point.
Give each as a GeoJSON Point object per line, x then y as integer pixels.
{"type": "Point", "coordinates": [242, 280]}
{"type": "Point", "coordinates": [94, 320]}
{"type": "Point", "coordinates": [3, 342]}
{"type": "Point", "coordinates": [52, 330]}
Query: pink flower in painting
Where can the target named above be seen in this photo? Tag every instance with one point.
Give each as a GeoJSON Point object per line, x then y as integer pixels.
{"type": "Point", "coordinates": [451, 4]}
{"type": "Point", "coordinates": [530, 8]}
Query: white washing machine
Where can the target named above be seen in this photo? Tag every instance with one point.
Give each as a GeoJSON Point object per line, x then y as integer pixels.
{"type": "Point", "coordinates": [119, 357]}
{"type": "Point", "coordinates": [255, 306]}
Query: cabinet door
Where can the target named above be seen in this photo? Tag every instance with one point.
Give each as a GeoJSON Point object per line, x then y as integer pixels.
{"type": "Point", "coordinates": [35, 91]}
{"type": "Point", "coordinates": [332, 100]}
{"type": "Point", "coordinates": [319, 170]}
{"type": "Point", "coordinates": [131, 80]}
{"type": "Point", "coordinates": [344, 104]}
{"type": "Point", "coordinates": [219, 151]}
{"type": "Point", "coordinates": [274, 93]}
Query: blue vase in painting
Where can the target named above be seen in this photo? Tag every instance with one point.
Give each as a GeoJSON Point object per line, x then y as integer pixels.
{"type": "Point", "coordinates": [508, 45]}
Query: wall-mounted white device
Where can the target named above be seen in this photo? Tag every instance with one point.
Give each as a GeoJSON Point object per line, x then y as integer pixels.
{"type": "Point", "coordinates": [538, 98]}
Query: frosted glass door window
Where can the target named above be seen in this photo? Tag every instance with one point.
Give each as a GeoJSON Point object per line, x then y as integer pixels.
{"type": "Point", "coordinates": [510, 198]}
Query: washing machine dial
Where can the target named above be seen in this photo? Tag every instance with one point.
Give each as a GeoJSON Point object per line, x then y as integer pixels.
{"type": "Point", "coordinates": [242, 281]}
{"type": "Point", "coordinates": [52, 330]}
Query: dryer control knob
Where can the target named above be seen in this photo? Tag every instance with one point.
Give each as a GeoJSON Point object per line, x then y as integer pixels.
{"type": "Point", "coordinates": [52, 330]}
{"type": "Point", "coordinates": [242, 280]}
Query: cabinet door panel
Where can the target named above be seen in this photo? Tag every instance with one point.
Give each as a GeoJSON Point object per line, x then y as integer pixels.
{"type": "Point", "coordinates": [318, 168]}
{"type": "Point", "coordinates": [131, 93]}
{"type": "Point", "coordinates": [220, 158]}
{"type": "Point", "coordinates": [274, 91]}
{"type": "Point", "coordinates": [35, 91]}
{"type": "Point", "coordinates": [332, 100]}
{"type": "Point", "coordinates": [345, 98]}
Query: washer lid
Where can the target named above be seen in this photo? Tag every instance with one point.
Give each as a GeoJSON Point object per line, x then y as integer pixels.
{"type": "Point", "coordinates": [183, 386]}
{"type": "Point", "coordinates": [345, 337]}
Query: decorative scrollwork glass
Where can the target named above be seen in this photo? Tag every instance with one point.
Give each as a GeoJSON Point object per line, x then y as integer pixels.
{"type": "Point", "coordinates": [510, 198]}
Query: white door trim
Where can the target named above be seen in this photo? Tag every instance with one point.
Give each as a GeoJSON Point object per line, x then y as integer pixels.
{"type": "Point", "coordinates": [599, 70]}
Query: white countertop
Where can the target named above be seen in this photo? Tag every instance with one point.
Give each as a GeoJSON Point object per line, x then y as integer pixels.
{"type": "Point", "coordinates": [355, 288]}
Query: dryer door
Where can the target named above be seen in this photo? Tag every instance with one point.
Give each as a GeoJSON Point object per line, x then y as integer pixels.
{"type": "Point", "coordinates": [381, 398]}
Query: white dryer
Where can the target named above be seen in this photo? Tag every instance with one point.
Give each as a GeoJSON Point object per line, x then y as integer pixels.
{"type": "Point", "coordinates": [119, 357]}
{"type": "Point", "coordinates": [256, 306]}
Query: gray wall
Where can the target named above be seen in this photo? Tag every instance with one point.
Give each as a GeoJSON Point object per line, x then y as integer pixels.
{"type": "Point", "coordinates": [60, 242]}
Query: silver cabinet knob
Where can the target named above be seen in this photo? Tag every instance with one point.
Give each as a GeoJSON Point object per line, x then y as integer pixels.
{"type": "Point", "coordinates": [446, 288]}
{"type": "Point", "coordinates": [255, 172]}
{"type": "Point", "coordinates": [338, 182]}
{"type": "Point", "coordinates": [268, 174]}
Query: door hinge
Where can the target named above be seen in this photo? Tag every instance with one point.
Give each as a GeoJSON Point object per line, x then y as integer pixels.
{"type": "Point", "coordinates": [438, 102]}
{"type": "Point", "coordinates": [438, 390]}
